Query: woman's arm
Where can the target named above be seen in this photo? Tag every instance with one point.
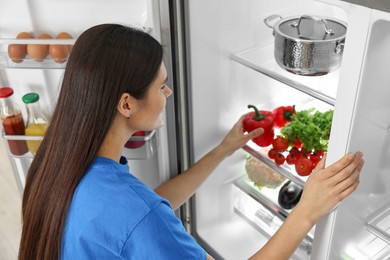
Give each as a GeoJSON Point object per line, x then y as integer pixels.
{"type": "Point", "coordinates": [179, 189]}
{"type": "Point", "coordinates": [324, 189]}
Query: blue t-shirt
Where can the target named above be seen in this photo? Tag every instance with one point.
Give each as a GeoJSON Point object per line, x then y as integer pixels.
{"type": "Point", "coordinates": [113, 215]}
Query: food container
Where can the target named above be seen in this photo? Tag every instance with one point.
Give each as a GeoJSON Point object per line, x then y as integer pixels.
{"type": "Point", "coordinates": [308, 45]}
{"type": "Point", "coordinates": [143, 147]}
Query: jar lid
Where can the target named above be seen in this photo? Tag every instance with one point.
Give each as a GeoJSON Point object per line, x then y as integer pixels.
{"type": "Point", "coordinates": [6, 92]}
{"type": "Point", "coordinates": [312, 28]}
{"type": "Point", "coordinates": [30, 98]}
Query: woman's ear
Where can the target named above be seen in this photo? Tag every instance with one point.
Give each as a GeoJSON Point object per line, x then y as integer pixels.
{"type": "Point", "coordinates": [127, 105]}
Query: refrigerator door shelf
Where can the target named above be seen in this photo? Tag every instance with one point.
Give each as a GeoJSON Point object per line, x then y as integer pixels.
{"type": "Point", "coordinates": [261, 59]}
{"type": "Point", "coordinates": [19, 140]}
{"type": "Point", "coordinates": [145, 151]}
{"type": "Point", "coordinates": [259, 208]}
{"type": "Point", "coordinates": [28, 63]}
{"type": "Point", "coordinates": [379, 225]}
{"type": "Point", "coordinates": [286, 170]}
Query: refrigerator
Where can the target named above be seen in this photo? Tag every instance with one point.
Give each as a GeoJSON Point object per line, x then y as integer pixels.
{"type": "Point", "coordinates": [219, 57]}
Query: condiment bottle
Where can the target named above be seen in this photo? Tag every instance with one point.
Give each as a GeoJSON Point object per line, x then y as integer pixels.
{"type": "Point", "coordinates": [36, 121]}
{"type": "Point", "coordinates": [12, 121]}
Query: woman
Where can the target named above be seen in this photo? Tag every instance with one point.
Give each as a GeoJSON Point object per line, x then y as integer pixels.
{"type": "Point", "coordinates": [80, 202]}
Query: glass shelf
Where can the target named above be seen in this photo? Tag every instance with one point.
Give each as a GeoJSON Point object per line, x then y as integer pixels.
{"type": "Point", "coordinates": [379, 225]}
{"type": "Point", "coordinates": [286, 170]}
{"type": "Point", "coordinates": [267, 197]}
{"type": "Point", "coordinates": [261, 59]}
{"type": "Point", "coordinates": [259, 207]}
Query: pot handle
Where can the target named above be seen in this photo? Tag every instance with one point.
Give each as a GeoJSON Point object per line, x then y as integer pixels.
{"type": "Point", "coordinates": [314, 18]}
{"type": "Point", "coordinates": [270, 20]}
{"type": "Point", "coordinates": [339, 48]}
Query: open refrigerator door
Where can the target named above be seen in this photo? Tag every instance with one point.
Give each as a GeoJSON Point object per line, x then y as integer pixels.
{"type": "Point", "coordinates": [148, 151]}
{"type": "Point", "coordinates": [232, 64]}
{"type": "Point", "coordinates": [360, 227]}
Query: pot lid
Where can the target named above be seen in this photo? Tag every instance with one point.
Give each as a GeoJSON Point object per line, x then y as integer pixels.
{"type": "Point", "coordinates": [312, 28]}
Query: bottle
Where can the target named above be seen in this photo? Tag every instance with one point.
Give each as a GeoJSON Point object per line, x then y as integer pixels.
{"type": "Point", "coordinates": [12, 121]}
{"type": "Point", "coordinates": [36, 121]}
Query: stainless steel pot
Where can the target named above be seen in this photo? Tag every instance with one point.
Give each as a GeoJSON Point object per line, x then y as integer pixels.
{"type": "Point", "coordinates": [308, 45]}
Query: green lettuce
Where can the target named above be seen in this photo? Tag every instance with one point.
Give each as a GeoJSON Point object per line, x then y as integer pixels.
{"type": "Point", "coordinates": [311, 127]}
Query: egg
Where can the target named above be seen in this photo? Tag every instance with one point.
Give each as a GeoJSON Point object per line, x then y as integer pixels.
{"type": "Point", "coordinates": [39, 52]}
{"type": "Point", "coordinates": [17, 52]}
{"type": "Point", "coordinates": [60, 52]}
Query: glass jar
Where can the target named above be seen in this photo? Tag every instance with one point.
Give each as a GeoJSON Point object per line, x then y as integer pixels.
{"type": "Point", "coordinates": [12, 121]}
{"type": "Point", "coordinates": [37, 122]}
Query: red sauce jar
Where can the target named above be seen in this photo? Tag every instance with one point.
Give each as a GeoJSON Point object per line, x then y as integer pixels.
{"type": "Point", "coordinates": [12, 121]}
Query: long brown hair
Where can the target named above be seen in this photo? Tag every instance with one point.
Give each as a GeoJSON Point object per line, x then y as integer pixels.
{"type": "Point", "coordinates": [106, 61]}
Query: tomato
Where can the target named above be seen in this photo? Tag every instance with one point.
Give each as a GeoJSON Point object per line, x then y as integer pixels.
{"type": "Point", "coordinates": [280, 143]}
{"type": "Point", "coordinates": [293, 155]}
{"type": "Point", "coordinates": [298, 155]}
{"type": "Point", "coordinates": [305, 153]}
{"type": "Point", "coordinates": [294, 150]}
{"type": "Point", "coordinates": [314, 158]}
{"type": "Point", "coordinates": [297, 143]}
{"type": "Point", "coordinates": [279, 160]}
{"type": "Point", "coordinates": [304, 166]}
{"type": "Point", "coordinates": [272, 153]}
{"type": "Point", "coordinates": [291, 159]}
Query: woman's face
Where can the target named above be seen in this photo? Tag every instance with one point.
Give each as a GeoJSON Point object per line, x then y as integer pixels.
{"type": "Point", "coordinates": [149, 115]}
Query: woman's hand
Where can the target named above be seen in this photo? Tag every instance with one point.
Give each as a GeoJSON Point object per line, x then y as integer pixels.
{"type": "Point", "coordinates": [326, 187]}
{"type": "Point", "coordinates": [236, 138]}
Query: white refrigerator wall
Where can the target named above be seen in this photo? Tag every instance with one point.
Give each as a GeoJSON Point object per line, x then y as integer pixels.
{"type": "Point", "coordinates": [74, 17]}
{"type": "Point", "coordinates": [221, 90]}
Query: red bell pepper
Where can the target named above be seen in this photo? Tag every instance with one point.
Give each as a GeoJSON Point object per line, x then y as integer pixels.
{"type": "Point", "coordinates": [283, 115]}
{"type": "Point", "coordinates": [260, 119]}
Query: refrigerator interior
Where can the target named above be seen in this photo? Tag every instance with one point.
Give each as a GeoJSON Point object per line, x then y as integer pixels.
{"type": "Point", "coordinates": [232, 65]}
{"type": "Point", "coordinates": [150, 162]}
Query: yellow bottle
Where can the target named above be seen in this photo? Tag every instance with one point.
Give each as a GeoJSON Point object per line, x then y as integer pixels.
{"type": "Point", "coordinates": [35, 130]}
{"type": "Point", "coordinates": [36, 122]}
